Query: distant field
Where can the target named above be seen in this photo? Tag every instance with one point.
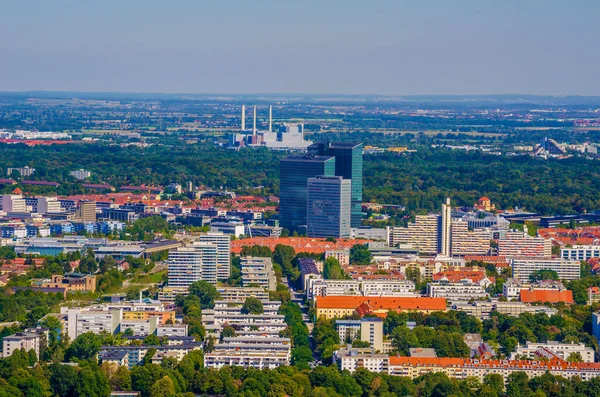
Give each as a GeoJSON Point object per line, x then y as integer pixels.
{"type": "Point", "coordinates": [106, 132]}
{"type": "Point", "coordinates": [391, 131]}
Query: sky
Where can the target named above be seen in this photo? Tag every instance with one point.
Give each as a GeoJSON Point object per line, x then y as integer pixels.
{"type": "Point", "coordinates": [381, 47]}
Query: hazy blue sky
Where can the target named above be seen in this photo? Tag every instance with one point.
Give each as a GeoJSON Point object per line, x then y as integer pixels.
{"type": "Point", "coordinates": [311, 46]}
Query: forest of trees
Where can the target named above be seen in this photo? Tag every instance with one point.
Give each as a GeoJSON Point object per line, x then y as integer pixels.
{"type": "Point", "coordinates": [419, 181]}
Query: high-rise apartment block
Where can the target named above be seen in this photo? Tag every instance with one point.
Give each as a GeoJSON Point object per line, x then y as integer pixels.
{"type": "Point", "coordinates": [422, 234]}
{"type": "Point", "coordinates": [195, 262]}
{"type": "Point", "coordinates": [223, 243]}
{"type": "Point", "coordinates": [328, 207]}
{"type": "Point", "coordinates": [258, 272]}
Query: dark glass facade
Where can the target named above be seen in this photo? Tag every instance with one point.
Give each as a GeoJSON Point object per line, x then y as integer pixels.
{"type": "Point", "coordinates": [349, 165]}
{"type": "Point", "coordinates": [294, 172]}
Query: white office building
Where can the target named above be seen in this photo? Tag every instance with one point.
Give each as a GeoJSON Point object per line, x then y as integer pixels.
{"type": "Point", "coordinates": [581, 252]}
{"type": "Point", "coordinates": [13, 203]}
{"type": "Point", "coordinates": [456, 291]}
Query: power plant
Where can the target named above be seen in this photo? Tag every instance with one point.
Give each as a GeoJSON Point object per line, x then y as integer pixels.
{"type": "Point", "coordinates": [290, 138]}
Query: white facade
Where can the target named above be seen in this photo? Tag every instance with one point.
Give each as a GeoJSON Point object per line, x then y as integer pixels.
{"type": "Point", "coordinates": [422, 234]}
{"type": "Point", "coordinates": [23, 340]}
{"type": "Point", "coordinates": [195, 262]}
{"type": "Point", "coordinates": [80, 174]}
{"type": "Point", "coordinates": [456, 291]}
{"type": "Point", "coordinates": [13, 203]}
{"type": "Point", "coordinates": [48, 205]}
{"type": "Point", "coordinates": [566, 269]}
{"type": "Point", "coordinates": [342, 256]}
{"type": "Point", "coordinates": [353, 359]}
{"type": "Point", "coordinates": [446, 221]}
{"type": "Point", "coordinates": [563, 350]}
{"type": "Point", "coordinates": [519, 244]}
{"type": "Point", "coordinates": [580, 252]}
{"type": "Point", "coordinates": [223, 243]}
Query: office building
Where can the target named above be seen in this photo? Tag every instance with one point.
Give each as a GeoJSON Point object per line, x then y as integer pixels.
{"type": "Point", "coordinates": [194, 262]}
{"type": "Point", "coordinates": [580, 252]}
{"type": "Point", "coordinates": [258, 272]}
{"type": "Point", "coordinates": [348, 165]}
{"type": "Point", "coordinates": [223, 243]}
{"type": "Point", "coordinates": [86, 211]}
{"type": "Point", "coordinates": [294, 172]}
{"type": "Point", "coordinates": [48, 205]}
{"type": "Point", "coordinates": [445, 229]}
{"type": "Point", "coordinates": [328, 207]}
{"type": "Point", "coordinates": [13, 203]}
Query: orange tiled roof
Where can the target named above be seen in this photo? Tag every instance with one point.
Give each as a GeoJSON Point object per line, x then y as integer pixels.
{"type": "Point", "coordinates": [551, 296]}
{"type": "Point", "coordinates": [462, 362]}
{"type": "Point", "coordinates": [380, 303]}
{"type": "Point", "coordinates": [300, 244]}
{"type": "Point", "coordinates": [456, 276]}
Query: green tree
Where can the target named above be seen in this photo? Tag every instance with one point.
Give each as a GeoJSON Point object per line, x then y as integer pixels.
{"type": "Point", "coordinates": [206, 292]}
{"type": "Point", "coordinates": [252, 305]}
{"type": "Point", "coordinates": [85, 347]}
{"type": "Point", "coordinates": [360, 255]}
{"type": "Point", "coordinates": [163, 387]}
{"type": "Point", "coordinates": [332, 269]}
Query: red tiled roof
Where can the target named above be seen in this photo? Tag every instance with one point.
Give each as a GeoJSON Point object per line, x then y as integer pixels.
{"type": "Point", "coordinates": [380, 303]}
{"type": "Point", "coordinates": [551, 296]}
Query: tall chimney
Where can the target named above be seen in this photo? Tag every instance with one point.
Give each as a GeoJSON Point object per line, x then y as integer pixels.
{"type": "Point", "coordinates": [270, 118]}
{"type": "Point", "coordinates": [243, 117]}
{"type": "Point", "coordinates": [254, 126]}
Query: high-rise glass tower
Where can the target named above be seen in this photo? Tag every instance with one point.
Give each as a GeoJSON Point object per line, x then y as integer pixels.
{"type": "Point", "coordinates": [349, 165]}
{"type": "Point", "coordinates": [328, 207]}
{"type": "Point", "coordinates": [294, 172]}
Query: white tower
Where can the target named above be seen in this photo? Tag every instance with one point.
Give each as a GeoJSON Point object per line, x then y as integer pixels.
{"type": "Point", "coordinates": [446, 224]}
{"type": "Point", "coordinates": [254, 126]}
{"type": "Point", "coordinates": [270, 118]}
{"type": "Point", "coordinates": [243, 117]}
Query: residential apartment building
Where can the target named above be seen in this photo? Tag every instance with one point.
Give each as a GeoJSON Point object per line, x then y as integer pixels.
{"type": "Point", "coordinates": [240, 294]}
{"type": "Point", "coordinates": [422, 234]}
{"type": "Point", "coordinates": [566, 269]}
{"type": "Point", "coordinates": [352, 359]}
{"type": "Point", "coordinates": [258, 272]}
{"type": "Point", "coordinates": [342, 256]}
{"type": "Point", "coordinates": [519, 244]}
{"type": "Point", "coordinates": [463, 291]}
{"type": "Point", "coordinates": [259, 352]}
{"type": "Point", "coordinates": [552, 349]}
{"type": "Point", "coordinates": [194, 262]}
{"type": "Point", "coordinates": [468, 242]}
{"type": "Point", "coordinates": [23, 171]}
{"type": "Point", "coordinates": [460, 368]}
{"type": "Point", "coordinates": [133, 355]}
{"type": "Point", "coordinates": [223, 243]}
{"type": "Point", "coordinates": [48, 205]}
{"type": "Point", "coordinates": [328, 208]}
{"type": "Point", "coordinates": [27, 341]}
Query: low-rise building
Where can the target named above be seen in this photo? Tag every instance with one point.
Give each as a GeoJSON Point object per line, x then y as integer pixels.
{"type": "Point", "coordinates": [342, 256]}
{"type": "Point", "coordinates": [352, 359]}
{"type": "Point", "coordinates": [553, 349]}
{"type": "Point", "coordinates": [72, 282]}
{"type": "Point", "coordinates": [133, 355]}
{"type": "Point", "coordinates": [340, 306]}
{"type": "Point", "coordinates": [464, 291]}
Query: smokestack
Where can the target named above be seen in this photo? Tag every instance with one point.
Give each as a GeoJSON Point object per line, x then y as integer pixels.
{"type": "Point", "coordinates": [140, 296]}
{"type": "Point", "coordinates": [243, 117]}
{"type": "Point", "coordinates": [302, 128]}
{"type": "Point", "coordinates": [270, 118]}
{"type": "Point", "coordinates": [254, 126]}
